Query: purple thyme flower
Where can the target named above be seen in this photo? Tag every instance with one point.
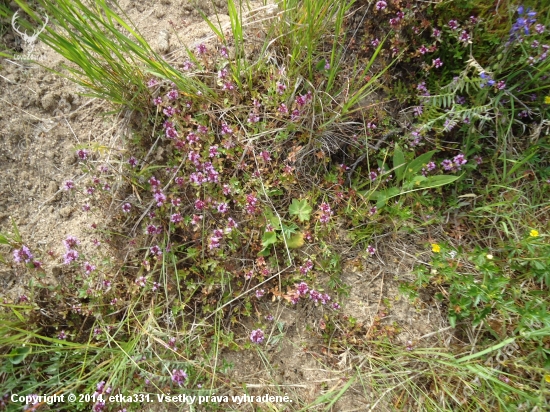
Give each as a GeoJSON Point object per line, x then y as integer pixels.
{"type": "Point", "coordinates": [82, 154]}
{"type": "Point", "coordinates": [68, 185]}
{"type": "Point", "coordinates": [201, 49]}
{"type": "Point", "coordinates": [421, 87]}
{"type": "Point", "coordinates": [171, 133]}
{"type": "Point", "coordinates": [447, 164]}
{"type": "Point", "coordinates": [23, 254]}
{"type": "Point", "coordinates": [464, 37]}
{"type": "Point", "coordinates": [188, 65]}
{"type": "Point", "coordinates": [223, 207]}
{"type": "Point", "coordinates": [226, 129]}
{"type": "Point", "coordinates": [459, 160]}
{"type": "Point", "coordinates": [265, 156]}
{"type": "Point", "coordinates": [70, 242]}
{"type": "Point", "coordinates": [70, 256]}
{"type": "Point", "coordinates": [169, 111]}
{"type": "Point", "coordinates": [437, 63]}
{"type": "Point", "coordinates": [251, 204]}
{"type": "Point", "coordinates": [156, 250]}
{"type": "Point", "coordinates": [257, 336]}
{"type": "Point", "coordinates": [326, 212]}
{"type": "Point", "coordinates": [88, 267]}
{"type": "Point", "coordinates": [173, 94]}
{"type": "Point", "coordinates": [381, 5]}
{"type": "Point", "coordinates": [253, 118]}
{"type": "Point", "coordinates": [179, 376]}
{"type": "Point", "coordinates": [231, 224]}
{"type": "Point", "coordinates": [126, 207]}
{"type": "Point", "coordinates": [302, 289]}
{"type": "Point", "coordinates": [228, 86]}
{"type": "Point", "coordinates": [160, 198]}
{"type": "Point", "coordinates": [213, 151]}
{"type": "Point", "coordinates": [176, 218]}
{"type": "Point", "coordinates": [223, 73]}
{"type": "Point", "coordinates": [214, 242]}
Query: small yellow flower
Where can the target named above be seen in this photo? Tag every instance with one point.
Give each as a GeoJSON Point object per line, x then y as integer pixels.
{"type": "Point", "coordinates": [547, 100]}
{"type": "Point", "coordinates": [534, 233]}
{"type": "Point", "coordinates": [547, 378]}
{"type": "Point", "coordinates": [436, 248]}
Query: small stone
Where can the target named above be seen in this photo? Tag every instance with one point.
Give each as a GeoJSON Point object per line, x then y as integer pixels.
{"type": "Point", "coordinates": [66, 212]}
{"type": "Point", "coordinates": [49, 101]}
{"type": "Point", "coordinates": [163, 41]}
{"type": "Point", "coordinates": [70, 158]}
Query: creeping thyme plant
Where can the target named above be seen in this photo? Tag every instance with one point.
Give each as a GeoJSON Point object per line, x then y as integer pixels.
{"type": "Point", "coordinates": [246, 165]}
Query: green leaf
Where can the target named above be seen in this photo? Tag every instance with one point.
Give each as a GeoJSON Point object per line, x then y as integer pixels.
{"type": "Point", "coordinates": [264, 252]}
{"type": "Point", "coordinates": [398, 162]}
{"type": "Point", "coordinates": [268, 239]}
{"type": "Point", "coordinates": [382, 196]}
{"type": "Point", "coordinates": [17, 355]}
{"type": "Point", "coordinates": [301, 209]}
{"type": "Point", "coordinates": [320, 66]}
{"type": "Point", "coordinates": [4, 240]}
{"type": "Point", "coordinates": [436, 181]}
{"type": "Point", "coordinates": [295, 241]}
{"type": "Point", "coordinates": [416, 165]}
{"type": "Point", "coordinates": [271, 218]}
{"type": "Point", "coordinates": [289, 230]}
{"type": "Point", "coordinates": [17, 235]}
{"type": "Point", "coordinates": [192, 252]}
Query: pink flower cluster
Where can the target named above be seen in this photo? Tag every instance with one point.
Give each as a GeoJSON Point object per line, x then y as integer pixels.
{"type": "Point", "coordinates": [456, 164]}
{"type": "Point", "coordinates": [300, 102]}
{"type": "Point", "coordinates": [179, 376]}
{"type": "Point", "coordinates": [257, 336]}
{"type": "Point", "coordinates": [22, 255]}
{"type": "Point", "coordinates": [71, 255]}
{"type": "Point", "coordinates": [169, 130]}
{"type": "Point", "coordinates": [306, 267]}
{"type": "Point", "coordinates": [251, 204]}
{"type": "Point", "coordinates": [205, 173]}
{"type": "Point", "coordinates": [215, 239]}
{"type": "Point", "coordinates": [302, 290]}
{"type": "Point", "coordinates": [326, 213]}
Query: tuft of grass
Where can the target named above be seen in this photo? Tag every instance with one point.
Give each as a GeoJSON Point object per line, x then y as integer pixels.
{"type": "Point", "coordinates": [113, 61]}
